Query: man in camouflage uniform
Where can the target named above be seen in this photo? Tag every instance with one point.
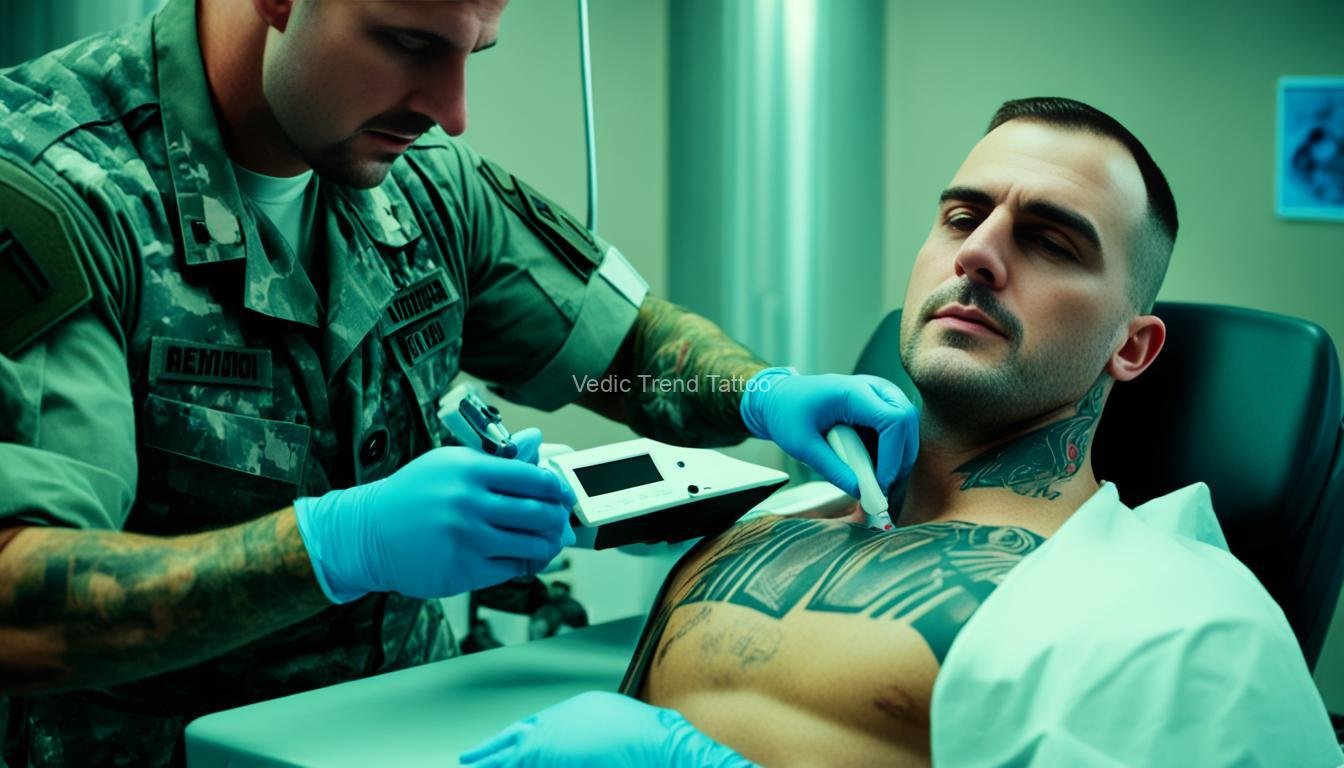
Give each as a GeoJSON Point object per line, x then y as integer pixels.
{"type": "Point", "coordinates": [180, 363]}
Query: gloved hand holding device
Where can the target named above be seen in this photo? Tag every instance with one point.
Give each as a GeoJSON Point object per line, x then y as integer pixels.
{"type": "Point", "coordinates": [452, 520]}
{"type": "Point", "coordinates": [797, 412]}
{"type": "Point", "coordinates": [602, 730]}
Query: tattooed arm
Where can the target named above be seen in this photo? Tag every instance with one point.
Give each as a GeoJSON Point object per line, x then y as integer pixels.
{"type": "Point", "coordinates": [684, 377]}
{"type": "Point", "coordinates": [87, 608]}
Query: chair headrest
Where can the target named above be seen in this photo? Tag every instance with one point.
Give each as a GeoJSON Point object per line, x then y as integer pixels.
{"type": "Point", "coordinates": [1245, 401]}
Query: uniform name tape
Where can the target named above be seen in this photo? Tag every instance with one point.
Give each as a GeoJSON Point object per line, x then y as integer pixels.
{"type": "Point", "coordinates": [201, 363]}
{"type": "Point", "coordinates": [416, 301]}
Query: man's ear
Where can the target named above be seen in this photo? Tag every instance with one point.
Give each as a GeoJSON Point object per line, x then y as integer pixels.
{"type": "Point", "coordinates": [1144, 338]}
{"type": "Point", "coordinates": [274, 12]}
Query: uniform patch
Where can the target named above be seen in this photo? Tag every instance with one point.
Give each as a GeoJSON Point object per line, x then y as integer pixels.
{"type": "Point", "coordinates": [42, 280]}
{"type": "Point", "coordinates": [417, 342]}
{"type": "Point", "coordinates": [201, 363]}
{"type": "Point", "coordinates": [563, 235]}
{"type": "Point", "coordinates": [417, 301]}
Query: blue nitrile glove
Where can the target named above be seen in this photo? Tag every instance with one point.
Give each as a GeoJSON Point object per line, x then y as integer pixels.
{"type": "Point", "coordinates": [529, 450]}
{"type": "Point", "coordinates": [597, 730]}
{"type": "Point", "coordinates": [797, 411]}
{"type": "Point", "coordinates": [452, 520]}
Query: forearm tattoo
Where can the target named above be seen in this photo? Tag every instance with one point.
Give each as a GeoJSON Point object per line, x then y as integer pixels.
{"type": "Point", "coordinates": [91, 608]}
{"type": "Point", "coordinates": [689, 377]}
{"type": "Point", "coordinates": [931, 577]}
{"type": "Point", "coordinates": [1031, 464]}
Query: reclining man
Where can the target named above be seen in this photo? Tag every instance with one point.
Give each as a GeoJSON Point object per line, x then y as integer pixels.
{"type": "Point", "coordinates": [1019, 613]}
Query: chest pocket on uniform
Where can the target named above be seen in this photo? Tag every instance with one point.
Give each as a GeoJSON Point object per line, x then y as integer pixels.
{"type": "Point", "coordinates": [203, 468]}
{"type": "Point", "coordinates": [422, 327]}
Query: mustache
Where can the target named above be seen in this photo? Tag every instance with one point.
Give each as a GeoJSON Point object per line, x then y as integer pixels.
{"type": "Point", "coordinates": [972, 294]}
{"type": "Point", "coordinates": [403, 124]}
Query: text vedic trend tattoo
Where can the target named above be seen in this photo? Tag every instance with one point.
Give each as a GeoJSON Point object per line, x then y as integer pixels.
{"type": "Point", "coordinates": [672, 344]}
{"type": "Point", "coordinates": [1031, 464]}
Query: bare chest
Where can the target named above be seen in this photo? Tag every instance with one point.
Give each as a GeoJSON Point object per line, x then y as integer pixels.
{"type": "Point", "coordinates": [827, 625]}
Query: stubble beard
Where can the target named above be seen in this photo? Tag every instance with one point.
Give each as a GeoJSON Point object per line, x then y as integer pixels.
{"type": "Point", "coordinates": [340, 164]}
{"type": "Point", "coordinates": [967, 396]}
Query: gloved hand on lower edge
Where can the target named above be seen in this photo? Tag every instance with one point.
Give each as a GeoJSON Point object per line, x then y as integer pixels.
{"type": "Point", "coordinates": [797, 411]}
{"type": "Point", "coordinates": [452, 520]}
{"type": "Point", "coordinates": [601, 730]}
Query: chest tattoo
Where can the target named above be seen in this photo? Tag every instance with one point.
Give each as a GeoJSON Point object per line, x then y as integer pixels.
{"type": "Point", "coordinates": [931, 576]}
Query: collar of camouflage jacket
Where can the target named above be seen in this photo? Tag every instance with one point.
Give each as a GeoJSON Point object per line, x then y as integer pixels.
{"type": "Point", "coordinates": [215, 223]}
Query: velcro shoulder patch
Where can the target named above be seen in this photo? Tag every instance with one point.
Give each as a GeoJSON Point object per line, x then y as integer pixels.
{"type": "Point", "coordinates": [42, 278]}
{"type": "Point", "coordinates": [567, 238]}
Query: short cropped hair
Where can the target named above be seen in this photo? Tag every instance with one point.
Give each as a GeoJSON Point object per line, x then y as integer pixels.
{"type": "Point", "coordinates": [1150, 251]}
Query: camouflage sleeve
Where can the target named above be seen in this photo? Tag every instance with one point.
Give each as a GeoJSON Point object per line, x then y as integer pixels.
{"type": "Point", "coordinates": [548, 303]}
{"type": "Point", "coordinates": [67, 430]}
{"type": "Point", "coordinates": [555, 314]}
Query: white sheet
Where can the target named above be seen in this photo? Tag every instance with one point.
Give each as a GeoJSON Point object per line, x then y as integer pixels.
{"type": "Point", "coordinates": [1131, 637]}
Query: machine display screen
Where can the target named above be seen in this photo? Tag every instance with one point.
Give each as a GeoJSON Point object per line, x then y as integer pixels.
{"type": "Point", "coordinates": [617, 475]}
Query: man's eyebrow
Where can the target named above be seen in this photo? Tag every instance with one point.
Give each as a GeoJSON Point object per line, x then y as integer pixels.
{"type": "Point", "coordinates": [966, 195]}
{"type": "Point", "coordinates": [1065, 218]}
{"type": "Point", "coordinates": [1049, 211]}
{"type": "Point", "coordinates": [436, 40]}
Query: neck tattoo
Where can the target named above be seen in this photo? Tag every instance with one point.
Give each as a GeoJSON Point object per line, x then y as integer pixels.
{"type": "Point", "coordinates": [1033, 463]}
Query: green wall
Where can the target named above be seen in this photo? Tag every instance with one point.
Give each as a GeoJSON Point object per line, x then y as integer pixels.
{"type": "Point", "coordinates": [1195, 81]}
{"type": "Point", "coordinates": [525, 112]}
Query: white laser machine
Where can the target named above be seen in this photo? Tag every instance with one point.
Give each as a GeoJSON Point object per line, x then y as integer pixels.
{"type": "Point", "coordinates": [634, 492]}
{"type": "Point", "coordinates": [642, 491]}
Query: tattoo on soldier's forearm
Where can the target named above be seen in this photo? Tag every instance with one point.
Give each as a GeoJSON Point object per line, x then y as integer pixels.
{"type": "Point", "coordinates": [1031, 464]}
{"type": "Point", "coordinates": [113, 606]}
{"type": "Point", "coordinates": [674, 347]}
{"type": "Point", "coordinates": [931, 577]}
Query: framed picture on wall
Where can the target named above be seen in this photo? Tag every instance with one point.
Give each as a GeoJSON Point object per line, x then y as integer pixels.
{"type": "Point", "coordinates": [1309, 163]}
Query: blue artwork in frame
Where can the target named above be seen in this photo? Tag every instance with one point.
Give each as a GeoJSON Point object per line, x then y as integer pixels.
{"type": "Point", "coordinates": [1309, 157]}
